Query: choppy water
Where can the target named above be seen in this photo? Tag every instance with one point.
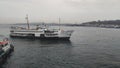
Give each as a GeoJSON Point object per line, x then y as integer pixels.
{"type": "Point", "coordinates": [88, 48]}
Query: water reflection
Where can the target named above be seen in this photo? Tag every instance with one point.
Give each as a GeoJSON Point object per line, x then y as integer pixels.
{"type": "Point", "coordinates": [5, 60]}
{"type": "Point", "coordinates": [41, 43]}
{"type": "Point", "coordinates": [55, 41]}
{"type": "Point", "coordinates": [31, 53]}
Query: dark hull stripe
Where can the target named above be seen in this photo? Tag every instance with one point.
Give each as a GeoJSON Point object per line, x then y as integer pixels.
{"type": "Point", "coordinates": [43, 38]}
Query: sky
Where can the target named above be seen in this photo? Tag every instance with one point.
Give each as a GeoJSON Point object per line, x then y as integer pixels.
{"type": "Point", "coordinates": [70, 11]}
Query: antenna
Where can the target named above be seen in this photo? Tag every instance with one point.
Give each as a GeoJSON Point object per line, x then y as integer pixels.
{"type": "Point", "coordinates": [27, 21]}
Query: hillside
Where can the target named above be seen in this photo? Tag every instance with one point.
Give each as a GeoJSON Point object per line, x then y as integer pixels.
{"type": "Point", "coordinates": [107, 24]}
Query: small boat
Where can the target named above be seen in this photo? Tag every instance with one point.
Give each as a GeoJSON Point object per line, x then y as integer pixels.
{"type": "Point", "coordinates": [40, 32]}
{"type": "Point", "coordinates": [5, 47]}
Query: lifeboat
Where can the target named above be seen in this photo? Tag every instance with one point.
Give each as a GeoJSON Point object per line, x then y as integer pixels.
{"type": "Point", "coordinates": [5, 48]}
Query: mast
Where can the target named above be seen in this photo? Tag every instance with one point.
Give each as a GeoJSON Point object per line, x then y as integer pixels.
{"type": "Point", "coordinates": [27, 22]}
{"type": "Point", "coordinates": [59, 23]}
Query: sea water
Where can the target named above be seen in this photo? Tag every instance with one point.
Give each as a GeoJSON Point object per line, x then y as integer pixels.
{"type": "Point", "coordinates": [88, 47]}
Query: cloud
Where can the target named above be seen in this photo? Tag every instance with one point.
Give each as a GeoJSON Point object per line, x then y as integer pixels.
{"type": "Point", "coordinates": [50, 10]}
{"type": "Point", "coordinates": [99, 9]}
{"type": "Point", "coordinates": [97, 4]}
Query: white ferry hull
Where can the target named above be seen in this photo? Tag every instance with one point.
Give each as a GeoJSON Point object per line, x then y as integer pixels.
{"type": "Point", "coordinates": [34, 37]}
{"type": "Point", "coordinates": [60, 35]}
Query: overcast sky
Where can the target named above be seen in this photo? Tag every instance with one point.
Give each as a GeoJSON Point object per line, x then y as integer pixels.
{"type": "Point", "coordinates": [70, 11]}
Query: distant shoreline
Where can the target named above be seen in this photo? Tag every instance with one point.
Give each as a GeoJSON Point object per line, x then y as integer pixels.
{"type": "Point", "coordinates": [102, 24]}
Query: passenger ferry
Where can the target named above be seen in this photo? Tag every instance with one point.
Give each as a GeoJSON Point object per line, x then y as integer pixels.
{"type": "Point", "coordinates": [40, 32]}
